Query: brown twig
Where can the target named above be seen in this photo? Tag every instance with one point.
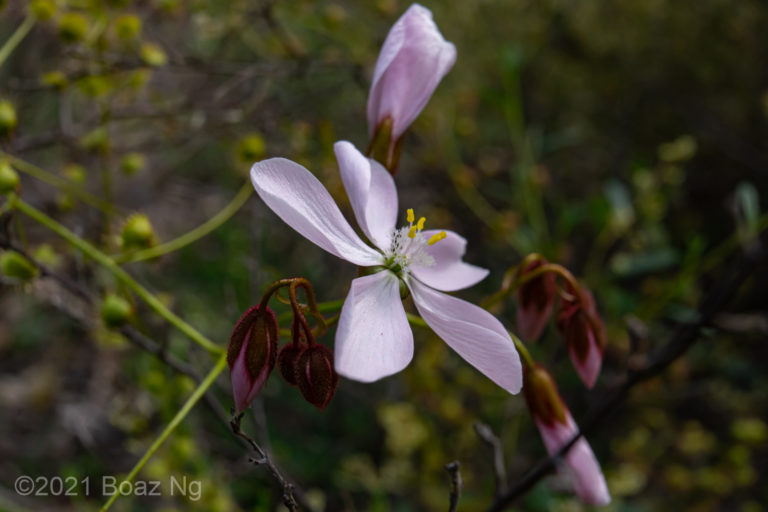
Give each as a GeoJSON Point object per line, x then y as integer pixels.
{"type": "Point", "coordinates": [454, 470]}
{"type": "Point", "coordinates": [485, 433]}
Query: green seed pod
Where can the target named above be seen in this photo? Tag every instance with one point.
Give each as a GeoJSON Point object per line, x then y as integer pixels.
{"type": "Point", "coordinates": [9, 178]}
{"type": "Point", "coordinates": [137, 233]}
{"type": "Point", "coordinates": [251, 148]}
{"type": "Point", "coordinates": [13, 264]}
{"type": "Point", "coordinates": [127, 27]}
{"type": "Point", "coordinates": [153, 55]}
{"type": "Point", "coordinates": [132, 163]}
{"type": "Point", "coordinates": [72, 27]}
{"type": "Point", "coordinates": [8, 120]}
{"type": "Point", "coordinates": [115, 311]}
{"type": "Point", "coordinates": [43, 9]}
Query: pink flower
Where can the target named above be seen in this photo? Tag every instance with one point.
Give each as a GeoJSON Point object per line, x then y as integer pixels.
{"type": "Point", "coordinates": [413, 60]}
{"type": "Point", "coordinates": [535, 300]}
{"type": "Point", "coordinates": [373, 338]}
{"type": "Point", "coordinates": [557, 428]}
{"type": "Point", "coordinates": [584, 334]}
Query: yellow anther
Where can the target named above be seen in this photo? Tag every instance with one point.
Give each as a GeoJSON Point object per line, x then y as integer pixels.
{"type": "Point", "coordinates": [420, 224]}
{"type": "Point", "coordinates": [411, 217]}
{"type": "Point", "coordinates": [412, 232]}
{"type": "Point", "coordinates": [436, 238]}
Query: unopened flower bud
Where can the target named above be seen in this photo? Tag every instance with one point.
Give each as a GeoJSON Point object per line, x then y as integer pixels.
{"type": "Point", "coordinates": [251, 148]}
{"type": "Point", "coordinates": [115, 311]}
{"type": "Point", "coordinates": [8, 119]}
{"type": "Point", "coordinates": [13, 264]}
{"type": "Point", "coordinates": [315, 376]}
{"type": "Point", "coordinates": [557, 428]}
{"type": "Point", "coordinates": [137, 232]}
{"type": "Point", "coordinates": [43, 9]}
{"type": "Point", "coordinates": [72, 27]}
{"type": "Point", "coordinates": [153, 55]}
{"type": "Point", "coordinates": [413, 60]}
{"type": "Point", "coordinates": [9, 178]}
{"type": "Point", "coordinates": [251, 353]}
{"type": "Point", "coordinates": [535, 299]}
{"type": "Point", "coordinates": [584, 334]}
{"type": "Point", "coordinates": [132, 163]}
{"type": "Point", "coordinates": [287, 361]}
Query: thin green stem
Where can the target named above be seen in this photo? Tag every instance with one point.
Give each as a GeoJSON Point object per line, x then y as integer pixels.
{"type": "Point", "coordinates": [322, 307]}
{"type": "Point", "coordinates": [525, 356]}
{"type": "Point", "coordinates": [416, 321]}
{"type": "Point", "coordinates": [221, 364]}
{"type": "Point", "coordinates": [196, 234]}
{"type": "Point", "coordinates": [60, 183]}
{"type": "Point", "coordinates": [120, 274]}
{"type": "Point", "coordinates": [16, 37]}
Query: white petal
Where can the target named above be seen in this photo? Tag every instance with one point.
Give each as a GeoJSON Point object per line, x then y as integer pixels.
{"type": "Point", "coordinates": [373, 339]}
{"type": "Point", "coordinates": [449, 273]}
{"type": "Point", "coordinates": [371, 191]}
{"type": "Point", "coordinates": [474, 333]}
{"type": "Point", "coordinates": [297, 197]}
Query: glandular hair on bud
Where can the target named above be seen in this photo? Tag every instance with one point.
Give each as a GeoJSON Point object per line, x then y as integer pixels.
{"type": "Point", "coordinates": [115, 311]}
{"type": "Point", "coordinates": [542, 396]}
{"type": "Point", "coordinates": [315, 375]}
{"type": "Point", "coordinates": [16, 266]}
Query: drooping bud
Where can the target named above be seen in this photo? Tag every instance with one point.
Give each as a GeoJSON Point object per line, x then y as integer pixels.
{"type": "Point", "coordinates": [535, 299]}
{"type": "Point", "coordinates": [584, 333]}
{"type": "Point", "coordinates": [289, 354]}
{"type": "Point", "coordinates": [315, 376]}
{"type": "Point", "coordinates": [137, 233]}
{"type": "Point", "coordinates": [9, 178]}
{"type": "Point", "coordinates": [251, 353]}
{"type": "Point", "coordinates": [557, 428]}
{"type": "Point", "coordinates": [413, 60]}
{"type": "Point", "coordinates": [13, 264]}
{"type": "Point", "coordinates": [115, 311]}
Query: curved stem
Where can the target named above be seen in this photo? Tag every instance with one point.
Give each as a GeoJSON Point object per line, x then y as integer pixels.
{"type": "Point", "coordinates": [60, 183]}
{"type": "Point", "coordinates": [16, 37]}
{"type": "Point", "coordinates": [194, 235]}
{"type": "Point", "coordinates": [221, 364]}
{"type": "Point", "coordinates": [120, 274]}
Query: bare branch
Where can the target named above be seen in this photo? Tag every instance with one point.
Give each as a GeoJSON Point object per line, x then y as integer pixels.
{"type": "Point", "coordinates": [485, 433]}
{"type": "Point", "coordinates": [454, 470]}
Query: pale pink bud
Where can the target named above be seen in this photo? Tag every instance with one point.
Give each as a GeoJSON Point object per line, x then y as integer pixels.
{"type": "Point", "coordinates": [413, 60]}
{"type": "Point", "coordinates": [557, 428]}
{"type": "Point", "coordinates": [251, 353]}
{"type": "Point", "coordinates": [535, 300]}
{"type": "Point", "coordinates": [584, 334]}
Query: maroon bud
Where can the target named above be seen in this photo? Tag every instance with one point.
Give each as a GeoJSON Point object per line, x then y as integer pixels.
{"type": "Point", "coordinates": [535, 300]}
{"type": "Point", "coordinates": [252, 353]}
{"type": "Point", "coordinates": [287, 361]}
{"type": "Point", "coordinates": [315, 376]}
{"type": "Point", "coordinates": [584, 334]}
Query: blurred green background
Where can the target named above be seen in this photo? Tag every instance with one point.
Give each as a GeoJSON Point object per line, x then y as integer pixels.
{"type": "Point", "coordinates": [626, 140]}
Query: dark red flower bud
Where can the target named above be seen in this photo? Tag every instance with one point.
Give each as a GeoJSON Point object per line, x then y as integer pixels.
{"type": "Point", "coordinates": [252, 353]}
{"type": "Point", "coordinates": [287, 361]}
{"type": "Point", "coordinates": [584, 334]}
{"type": "Point", "coordinates": [315, 376]}
{"type": "Point", "coordinates": [535, 300]}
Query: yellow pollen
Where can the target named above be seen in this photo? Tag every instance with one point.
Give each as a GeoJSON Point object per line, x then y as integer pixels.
{"type": "Point", "coordinates": [420, 224]}
{"type": "Point", "coordinates": [411, 217]}
{"type": "Point", "coordinates": [412, 232]}
{"type": "Point", "coordinates": [436, 238]}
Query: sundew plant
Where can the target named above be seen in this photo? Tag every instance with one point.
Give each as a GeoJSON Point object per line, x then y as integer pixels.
{"type": "Point", "coordinates": [262, 255]}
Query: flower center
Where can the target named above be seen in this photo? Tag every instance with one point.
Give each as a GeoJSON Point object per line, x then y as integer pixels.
{"type": "Point", "coordinates": [409, 246]}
